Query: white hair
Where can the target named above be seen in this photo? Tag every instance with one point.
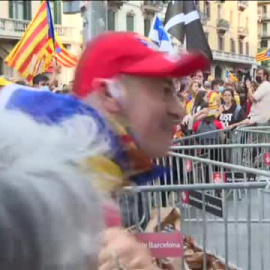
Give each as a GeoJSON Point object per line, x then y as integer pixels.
{"type": "Point", "coordinates": [50, 214]}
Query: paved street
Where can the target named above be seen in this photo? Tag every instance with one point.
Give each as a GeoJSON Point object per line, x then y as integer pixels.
{"type": "Point", "coordinates": [237, 231]}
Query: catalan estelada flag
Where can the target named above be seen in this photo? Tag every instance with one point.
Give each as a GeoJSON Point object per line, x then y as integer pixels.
{"type": "Point", "coordinates": [35, 51]}
{"type": "Point", "coordinates": [262, 56]}
{"type": "Point", "coordinates": [231, 76]}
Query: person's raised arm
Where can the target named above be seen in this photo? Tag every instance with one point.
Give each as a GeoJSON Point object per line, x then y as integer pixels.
{"type": "Point", "coordinates": [250, 91]}
{"type": "Point", "coordinates": [56, 70]}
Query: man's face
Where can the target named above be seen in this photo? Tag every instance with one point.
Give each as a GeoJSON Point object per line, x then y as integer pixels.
{"type": "Point", "coordinates": [152, 108]}
{"type": "Point", "coordinates": [216, 87]}
{"type": "Point", "coordinates": [70, 85]}
{"type": "Point", "coordinates": [260, 73]}
{"type": "Point", "coordinates": [43, 84]}
{"type": "Point", "coordinates": [198, 77]}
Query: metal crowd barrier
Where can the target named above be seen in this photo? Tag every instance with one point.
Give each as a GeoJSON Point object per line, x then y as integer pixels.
{"type": "Point", "coordinates": [236, 232]}
{"type": "Point", "coordinates": [220, 185]}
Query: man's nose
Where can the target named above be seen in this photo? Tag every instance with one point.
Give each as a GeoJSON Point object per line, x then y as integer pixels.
{"type": "Point", "coordinates": [177, 109]}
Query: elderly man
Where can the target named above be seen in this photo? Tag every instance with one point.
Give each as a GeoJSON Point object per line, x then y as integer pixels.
{"type": "Point", "coordinates": [126, 117]}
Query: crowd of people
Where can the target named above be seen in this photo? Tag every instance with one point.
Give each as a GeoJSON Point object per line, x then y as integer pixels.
{"type": "Point", "coordinates": [215, 104]}
{"type": "Point", "coordinates": [43, 81]}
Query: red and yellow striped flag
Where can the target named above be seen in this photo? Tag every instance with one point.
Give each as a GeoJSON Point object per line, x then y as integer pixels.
{"type": "Point", "coordinates": [262, 56]}
{"type": "Point", "coordinates": [63, 56]}
{"type": "Point", "coordinates": [35, 51]}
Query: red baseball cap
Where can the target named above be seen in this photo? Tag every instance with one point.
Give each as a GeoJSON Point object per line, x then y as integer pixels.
{"type": "Point", "coordinates": [116, 53]}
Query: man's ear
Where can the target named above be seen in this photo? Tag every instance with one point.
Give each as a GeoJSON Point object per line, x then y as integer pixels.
{"type": "Point", "coordinates": [107, 94]}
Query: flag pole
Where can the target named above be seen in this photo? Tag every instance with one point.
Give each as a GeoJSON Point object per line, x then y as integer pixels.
{"type": "Point", "coordinates": [51, 28]}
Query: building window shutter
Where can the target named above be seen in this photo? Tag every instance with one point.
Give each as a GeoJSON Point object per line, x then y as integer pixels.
{"type": "Point", "coordinates": [232, 45]}
{"type": "Point", "coordinates": [130, 22]}
{"type": "Point", "coordinates": [220, 43]}
{"type": "Point", "coordinates": [147, 26]}
{"type": "Point", "coordinates": [206, 35]}
{"type": "Point", "coordinates": [27, 10]}
{"type": "Point", "coordinates": [111, 20]}
{"type": "Point", "coordinates": [240, 44]}
{"type": "Point", "coordinates": [247, 48]}
{"type": "Point", "coordinates": [57, 12]}
{"type": "Point", "coordinates": [264, 43]}
{"type": "Point", "coordinates": [10, 9]}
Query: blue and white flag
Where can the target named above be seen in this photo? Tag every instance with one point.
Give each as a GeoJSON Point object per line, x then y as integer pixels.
{"type": "Point", "coordinates": [159, 36]}
{"type": "Point", "coordinates": [44, 107]}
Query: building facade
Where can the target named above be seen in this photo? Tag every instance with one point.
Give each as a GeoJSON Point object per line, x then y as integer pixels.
{"type": "Point", "coordinates": [231, 30]}
{"type": "Point", "coordinates": [264, 26]}
{"type": "Point", "coordinates": [15, 16]}
{"type": "Point", "coordinates": [230, 27]}
{"type": "Point", "coordinates": [136, 16]}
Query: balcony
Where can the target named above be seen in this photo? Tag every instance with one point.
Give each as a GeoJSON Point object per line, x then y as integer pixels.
{"type": "Point", "coordinates": [233, 57]}
{"type": "Point", "coordinates": [242, 32]}
{"type": "Point", "coordinates": [265, 17]}
{"type": "Point", "coordinates": [116, 4]}
{"type": "Point", "coordinates": [222, 26]}
{"type": "Point", "coordinates": [265, 35]}
{"type": "Point", "coordinates": [242, 5]}
{"type": "Point", "coordinates": [152, 7]}
{"type": "Point", "coordinates": [263, 2]}
{"type": "Point", "coordinates": [14, 29]}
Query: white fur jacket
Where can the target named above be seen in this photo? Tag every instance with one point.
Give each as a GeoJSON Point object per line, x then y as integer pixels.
{"type": "Point", "coordinates": [50, 214]}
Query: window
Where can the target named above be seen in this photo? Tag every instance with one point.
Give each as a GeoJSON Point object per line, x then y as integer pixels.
{"type": "Point", "coordinates": [130, 22]}
{"type": "Point", "coordinates": [206, 35]}
{"type": "Point", "coordinates": [206, 8]}
{"type": "Point", "coordinates": [219, 12]}
{"type": "Point", "coordinates": [264, 43]}
{"type": "Point", "coordinates": [147, 26]}
{"type": "Point", "coordinates": [71, 7]}
{"type": "Point", "coordinates": [221, 43]}
{"type": "Point", "coordinates": [232, 45]}
{"type": "Point", "coordinates": [247, 22]}
{"type": "Point", "coordinates": [240, 44]}
{"type": "Point", "coordinates": [247, 48]}
{"type": "Point", "coordinates": [20, 10]}
{"type": "Point", "coordinates": [264, 26]}
{"type": "Point", "coordinates": [111, 20]}
{"type": "Point", "coordinates": [264, 10]}
{"type": "Point", "coordinates": [56, 11]}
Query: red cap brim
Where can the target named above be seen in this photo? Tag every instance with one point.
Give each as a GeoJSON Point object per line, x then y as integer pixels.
{"type": "Point", "coordinates": [160, 65]}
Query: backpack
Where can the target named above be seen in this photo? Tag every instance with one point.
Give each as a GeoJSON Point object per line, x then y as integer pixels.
{"type": "Point", "coordinates": [212, 138]}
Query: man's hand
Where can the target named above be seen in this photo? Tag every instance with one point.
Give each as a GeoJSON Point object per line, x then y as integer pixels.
{"type": "Point", "coordinates": [56, 67]}
{"type": "Point", "coordinates": [248, 84]}
{"type": "Point", "coordinates": [245, 122]}
{"type": "Point", "coordinates": [122, 251]}
{"type": "Point", "coordinates": [220, 110]}
{"type": "Point", "coordinates": [250, 91]}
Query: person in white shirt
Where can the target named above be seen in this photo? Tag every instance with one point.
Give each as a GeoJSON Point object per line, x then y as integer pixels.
{"type": "Point", "coordinates": [260, 109]}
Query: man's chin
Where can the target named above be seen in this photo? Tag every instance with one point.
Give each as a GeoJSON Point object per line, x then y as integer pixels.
{"type": "Point", "coordinates": [158, 150]}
